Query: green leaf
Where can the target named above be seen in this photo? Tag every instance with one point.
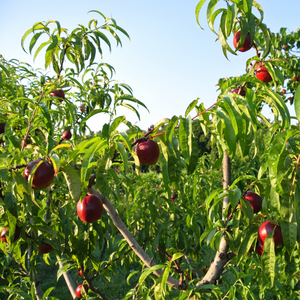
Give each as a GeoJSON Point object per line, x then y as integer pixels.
{"type": "Point", "coordinates": [229, 132]}
{"type": "Point", "coordinates": [132, 99]}
{"type": "Point", "coordinates": [268, 258]}
{"type": "Point", "coordinates": [176, 255]}
{"type": "Point", "coordinates": [164, 279]}
{"type": "Point", "coordinates": [24, 37]}
{"type": "Point", "coordinates": [55, 162]}
{"type": "Point", "coordinates": [73, 181]}
{"type": "Point", "coordinates": [103, 37]}
{"type": "Point", "coordinates": [89, 154]}
{"type": "Point", "coordinates": [40, 48]}
{"type": "Point", "coordinates": [34, 40]}
{"type": "Point", "coordinates": [191, 106]}
{"type": "Point", "coordinates": [246, 243]}
{"type": "Point", "coordinates": [267, 39]}
{"type": "Point", "coordinates": [297, 102]}
{"type": "Point", "coordinates": [259, 8]}
{"type": "Point", "coordinates": [209, 12]}
{"type": "Point", "coordinates": [15, 291]}
{"type": "Point", "coordinates": [159, 292]}
{"type": "Point", "coordinates": [197, 11]}
{"type": "Point", "coordinates": [148, 271]}
{"type": "Point", "coordinates": [131, 108]}
{"type": "Point", "coordinates": [115, 124]}
{"type": "Point", "coordinates": [247, 210]}
{"type": "Point", "coordinates": [185, 138]}
{"type": "Point", "coordinates": [124, 154]}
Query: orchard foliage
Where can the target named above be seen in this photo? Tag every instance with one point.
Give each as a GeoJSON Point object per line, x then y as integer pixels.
{"type": "Point", "coordinates": [186, 228]}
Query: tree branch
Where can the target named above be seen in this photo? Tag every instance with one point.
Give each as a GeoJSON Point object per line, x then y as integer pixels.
{"type": "Point", "coordinates": [174, 283]}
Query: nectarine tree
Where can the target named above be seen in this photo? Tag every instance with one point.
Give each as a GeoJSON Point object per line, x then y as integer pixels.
{"type": "Point", "coordinates": [92, 209]}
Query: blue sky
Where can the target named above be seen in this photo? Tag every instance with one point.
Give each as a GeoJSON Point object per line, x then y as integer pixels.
{"type": "Point", "coordinates": [169, 61]}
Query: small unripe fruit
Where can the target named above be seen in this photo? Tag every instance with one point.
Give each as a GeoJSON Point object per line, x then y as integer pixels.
{"type": "Point", "coordinates": [80, 272]}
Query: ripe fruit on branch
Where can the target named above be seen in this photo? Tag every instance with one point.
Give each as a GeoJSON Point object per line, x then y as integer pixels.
{"type": "Point", "coordinates": [2, 128]}
{"type": "Point", "coordinates": [283, 91]}
{"type": "Point", "coordinates": [80, 272]}
{"type": "Point", "coordinates": [90, 209]}
{"type": "Point", "coordinates": [264, 230]}
{"type": "Point", "coordinates": [262, 74]}
{"type": "Point", "coordinates": [254, 200]}
{"type": "Point", "coordinates": [45, 248]}
{"type": "Point", "coordinates": [236, 91]}
{"type": "Point", "coordinates": [25, 143]}
{"type": "Point", "coordinates": [147, 152]}
{"type": "Point", "coordinates": [43, 176]}
{"type": "Point", "coordinates": [58, 93]}
{"type": "Point", "coordinates": [173, 197]}
{"type": "Point", "coordinates": [247, 43]}
{"type": "Point", "coordinates": [66, 135]}
{"type": "Point", "coordinates": [16, 236]}
{"type": "Point", "coordinates": [296, 78]}
{"type": "Point", "coordinates": [83, 109]}
{"type": "Point", "coordinates": [78, 290]}
{"type": "Point", "coordinates": [259, 248]}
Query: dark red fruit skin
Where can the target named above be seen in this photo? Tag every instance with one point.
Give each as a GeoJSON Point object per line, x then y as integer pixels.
{"type": "Point", "coordinates": [259, 248]}
{"type": "Point", "coordinates": [43, 177]}
{"type": "Point", "coordinates": [66, 135]}
{"type": "Point", "coordinates": [173, 197]}
{"type": "Point", "coordinates": [148, 152]}
{"type": "Point", "coordinates": [236, 91]}
{"type": "Point", "coordinates": [45, 248]}
{"type": "Point", "coordinates": [2, 128]}
{"type": "Point", "coordinates": [254, 200]}
{"type": "Point", "coordinates": [80, 272]}
{"type": "Point", "coordinates": [296, 78]}
{"type": "Point", "coordinates": [90, 209]}
{"type": "Point", "coordinates": [16, 236]}
{"type": "Point", "coordinates": [247, 43]}
{"type": "Point", "coordinates": [267, 227]}
{"type": "Point", "coordinates": [263, 75]}
{"type": "Point", "coordinates": [58, 93]}
{"type": "Point", "coordinates": [81, 107]}
{"type": "Point", "coordinates": [78, 290]}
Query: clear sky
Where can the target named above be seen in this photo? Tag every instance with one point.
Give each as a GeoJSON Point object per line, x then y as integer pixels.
{"type": "Point", "coordinates": [169, 61]}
